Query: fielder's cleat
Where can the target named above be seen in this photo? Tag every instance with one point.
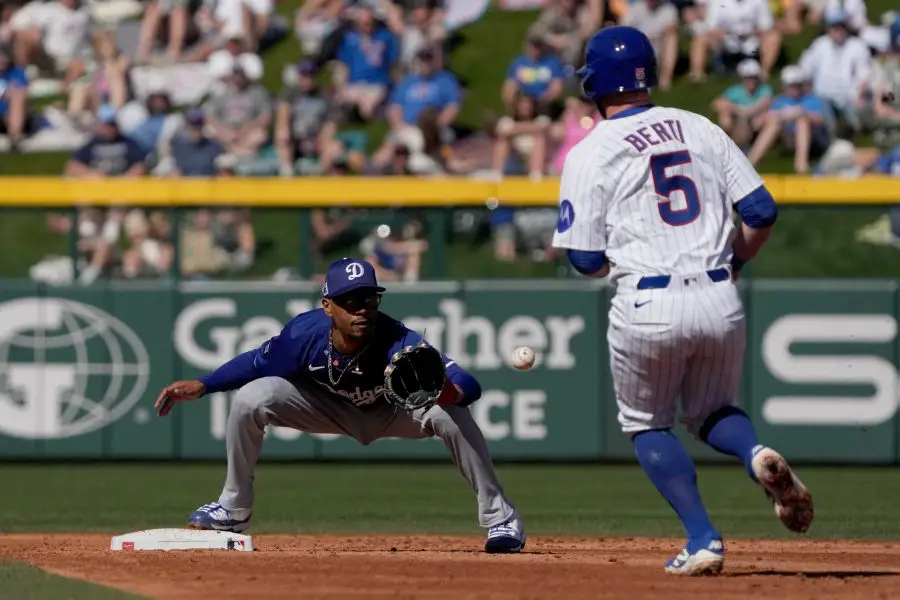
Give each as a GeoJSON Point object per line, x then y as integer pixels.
{"type": "Point", "coordinates": [793, 502]}
{"type": "Point", "coordinates": [506, 538]}
{"type": "Point", "coordinates": [215, 516]}
{"type": "Point", "coordinates": [706, 561]}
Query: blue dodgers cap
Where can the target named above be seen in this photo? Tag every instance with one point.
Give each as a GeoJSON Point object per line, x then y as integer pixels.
{"type": "Point", "coordinates": [349, 275]}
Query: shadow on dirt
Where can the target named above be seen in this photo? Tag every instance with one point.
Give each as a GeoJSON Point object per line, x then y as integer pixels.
{"type": "Point", "coordinates": [815, 574]}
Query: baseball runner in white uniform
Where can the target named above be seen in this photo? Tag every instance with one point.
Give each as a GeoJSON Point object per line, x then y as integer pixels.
{"type": "Point", "coordinates": [649, 198]}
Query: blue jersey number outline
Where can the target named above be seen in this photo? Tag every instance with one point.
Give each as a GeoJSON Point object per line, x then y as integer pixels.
{"type": "Point", "coordinates": [666, 185]}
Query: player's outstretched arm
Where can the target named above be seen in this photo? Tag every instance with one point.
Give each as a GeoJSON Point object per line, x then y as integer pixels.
{"type": "Point", "coordinates": [237, 372]}
{"type": "Point", "coordinates": [180, 391]}
{"type": "Point", "coordinates": [275, 357]}
{"type": "Point", "coordinates": [240, 370]}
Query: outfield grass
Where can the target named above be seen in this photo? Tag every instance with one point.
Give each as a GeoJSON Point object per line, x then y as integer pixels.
{"type": "Point", "coordinates": [433, 498]}
{"type": "Point", "coordinates": [808, 242]}
{"type": "Point", "coordinates": [21, 581]}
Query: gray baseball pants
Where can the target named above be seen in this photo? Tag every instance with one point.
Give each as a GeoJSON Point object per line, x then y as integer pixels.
{"type": "Point", "coordinates": [277, 402]}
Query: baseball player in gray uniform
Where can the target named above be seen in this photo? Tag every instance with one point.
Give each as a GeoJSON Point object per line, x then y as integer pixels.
{"type": "Point", "coordinates": [325, 373]}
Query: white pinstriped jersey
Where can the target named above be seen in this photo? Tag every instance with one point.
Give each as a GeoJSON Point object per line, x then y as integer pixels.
{"type": "Point", "coordinates": [655, 189]}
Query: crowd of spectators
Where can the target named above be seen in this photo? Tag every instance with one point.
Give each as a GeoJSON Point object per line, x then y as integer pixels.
{"type": "Point", "coordinates": [842, 86]}
{"type": "Point", "coordinates": [365, 61]}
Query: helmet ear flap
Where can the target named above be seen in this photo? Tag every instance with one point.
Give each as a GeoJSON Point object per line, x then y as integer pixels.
{"type": "Point", "coordinates": [587, 82]}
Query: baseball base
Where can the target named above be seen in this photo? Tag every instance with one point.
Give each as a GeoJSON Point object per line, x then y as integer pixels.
{"type": "Point", "coordinates": [181, 539]}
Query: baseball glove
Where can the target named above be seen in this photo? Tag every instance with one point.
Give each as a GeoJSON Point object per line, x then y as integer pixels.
{"type": "Point", "coordinates": [415, 377]}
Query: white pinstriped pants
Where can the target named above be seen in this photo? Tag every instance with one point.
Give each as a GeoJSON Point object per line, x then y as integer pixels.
{"type": "Point", "coordinates": [683, 341]}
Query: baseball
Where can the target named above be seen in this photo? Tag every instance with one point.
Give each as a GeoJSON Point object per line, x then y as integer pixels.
{"type": "Point", "coordinates": [523, 358]}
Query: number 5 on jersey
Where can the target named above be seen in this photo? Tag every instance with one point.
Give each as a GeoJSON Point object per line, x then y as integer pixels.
{"type": "Point", "coordinates": [665, 185]}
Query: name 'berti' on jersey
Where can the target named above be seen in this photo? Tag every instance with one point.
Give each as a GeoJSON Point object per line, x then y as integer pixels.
{"type": "Point", "coordinates": [654, 188]}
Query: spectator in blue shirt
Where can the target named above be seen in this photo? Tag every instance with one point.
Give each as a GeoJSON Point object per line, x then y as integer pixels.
{"type": "Point", "coordinates": [160, 124]}
{"type": "Point", "coordinates": [888, 163]}
{"type": "Point", "coordinates": [803, 121]}
{"type": "Point", "coordinates": [13, 98]}
{"type": "Point", "coordinates": [108, 153]}
{"type": "Point", "coordinates": [430, 87]}
{"type": "Point", "coordinates": [366, 56]}
{"type": "Point", "coordinates": [537, 74]}
{"type": "Point", "coordinates": [193, 153]}
{"type": "Point", "coordinates": [740, 106]}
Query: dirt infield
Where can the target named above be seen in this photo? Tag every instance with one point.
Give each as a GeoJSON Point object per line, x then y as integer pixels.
{"type": "Point", "coordinates": [454, 567]}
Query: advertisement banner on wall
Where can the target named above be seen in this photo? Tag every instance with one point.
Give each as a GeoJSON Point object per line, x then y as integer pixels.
{"type": "Point", "coordinates": [80, 368]}
{"type": "Point", "coordinates": [823, 369]}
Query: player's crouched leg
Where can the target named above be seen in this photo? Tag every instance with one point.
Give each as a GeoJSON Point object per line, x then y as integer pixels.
{"type": "Point", "coordinates": [244, 432]}
{"type": "Point", "coordinates": [248, 402]}
{"type": "Point", "coordinates": [265, 401]}
{"type": "Point", "coordinates": [256, 405]}
{"type": "Point", "coordinates": [463, 438]}
{"type": "Point", "coordinates": [243, 442]}
{"type": "Point", "coordinates": [277, 402]}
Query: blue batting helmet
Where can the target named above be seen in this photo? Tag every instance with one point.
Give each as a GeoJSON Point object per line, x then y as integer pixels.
{"type": "Point", "coordinates": [617, 59]}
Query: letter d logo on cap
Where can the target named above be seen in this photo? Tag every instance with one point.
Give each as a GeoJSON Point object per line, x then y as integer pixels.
{"type": "Point", "coordinates": [354, 271]}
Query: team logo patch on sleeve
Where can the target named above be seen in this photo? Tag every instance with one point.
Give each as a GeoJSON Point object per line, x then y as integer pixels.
{"type": "Point", "coordinates": [266, 347]}
{"type": "Point", "coordinates": [566, 216]}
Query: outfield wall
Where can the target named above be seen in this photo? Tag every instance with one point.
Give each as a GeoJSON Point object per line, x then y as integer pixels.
{"type": "Point", "coordinates": [81, 367]}
{"type": "Point", "coordinates": [382, 192]}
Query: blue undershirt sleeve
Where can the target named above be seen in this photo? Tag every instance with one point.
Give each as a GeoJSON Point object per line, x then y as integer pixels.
{"type": "Point", "coordinates": [587, 262]}
{"type": "Point", "coordinates": [471, 389]}
{"type": "Point", "coordinates": [758, 208]}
